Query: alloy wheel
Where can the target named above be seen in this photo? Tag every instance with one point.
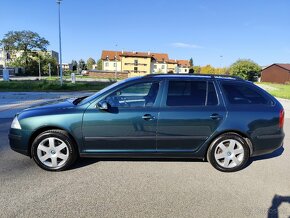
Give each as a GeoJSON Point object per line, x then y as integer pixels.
{"type": "Point", "coordinates": [229, 153]}
{"type": "Point", "coordinates": [53, 152]}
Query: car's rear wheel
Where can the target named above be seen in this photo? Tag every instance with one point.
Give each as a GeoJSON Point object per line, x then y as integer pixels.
{"type": "Point", "coordinates": [228, 153]}
{"type": "Point", "coordinates": [53, 150]}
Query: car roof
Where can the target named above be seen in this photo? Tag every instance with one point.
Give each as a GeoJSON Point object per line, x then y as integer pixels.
{"type": "Point", "coordinates": [208, 76]}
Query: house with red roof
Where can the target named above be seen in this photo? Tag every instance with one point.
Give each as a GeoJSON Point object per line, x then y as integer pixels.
{"type": "Point", "coordinates": [141, 63]}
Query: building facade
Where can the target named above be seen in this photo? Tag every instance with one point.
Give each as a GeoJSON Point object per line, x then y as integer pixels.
{"type": "Point", "coordinates": [2, 58]}
{"type": "Point", "coordinates": [276, 73]}
{"type": "Point", "coordinates": [137, 63]}
{"type": "Point", "coordinates": [183, 66]}
{"type": "Point", "coordinates": [12, 55]}
{"type": "Point", "coordinates": [172, 66]}
{"type": "Point", "coordinates": [67, 67]}
{"type": "Point", "coordinates": [111, 61]}
{"type": "Point", "coordinates": [141, 63]}
{"type": "Point", "coordinates": [160, 65]}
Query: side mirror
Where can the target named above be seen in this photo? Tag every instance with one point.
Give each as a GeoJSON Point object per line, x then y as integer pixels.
{"type": "Point", "coordinates": [103, 105]}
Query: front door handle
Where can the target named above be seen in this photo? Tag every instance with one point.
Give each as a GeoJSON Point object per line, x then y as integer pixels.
{"type": "Point", "coordinates": [215, 116]}
{"type": "Point", "coordinates": [148, 117]}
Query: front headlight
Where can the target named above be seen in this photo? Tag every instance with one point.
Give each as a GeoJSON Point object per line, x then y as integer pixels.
{"type": "Point", "coordinates": [15, 124]}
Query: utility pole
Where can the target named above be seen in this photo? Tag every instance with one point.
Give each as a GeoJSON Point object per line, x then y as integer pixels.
{"type": "Point", "coordinates": [59, 31]}
{"type": "Point", "coordinates": [116, 62]}
{"type": "Point", "coordinates": [39, 71]}
{"type": "Point", "coordinates": [5, 70]}
{"type": "Point", "coordinates": [49, 70]}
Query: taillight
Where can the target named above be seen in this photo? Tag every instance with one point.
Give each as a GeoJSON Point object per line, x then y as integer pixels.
{"type": "Point", "coordinates": [281, 119]}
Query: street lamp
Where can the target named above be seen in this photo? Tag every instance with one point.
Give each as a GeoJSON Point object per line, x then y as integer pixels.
{"type": "Point", "coordinates": [116, 45]}
{"type": "Point", "coordinates": [59, 31]}
{"type": "Point", "coordinates": [39, 70]}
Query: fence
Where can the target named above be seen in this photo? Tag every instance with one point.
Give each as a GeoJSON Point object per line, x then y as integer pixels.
{"type": "Point", "coordinates": [107, 75]}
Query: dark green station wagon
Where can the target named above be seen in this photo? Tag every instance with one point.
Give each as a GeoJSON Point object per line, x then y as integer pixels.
{"type": "Point", "coordinates": [222, 119]}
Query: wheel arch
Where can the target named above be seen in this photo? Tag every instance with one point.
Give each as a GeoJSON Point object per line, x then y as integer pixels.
{"type": "Point", "coordinates": [239, 133]}
{"type": "Point", "coordinates": [46, 128]}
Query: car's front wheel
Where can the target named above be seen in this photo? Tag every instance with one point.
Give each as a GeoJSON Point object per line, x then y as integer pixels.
{"type": "Point", "coordinates": [228, 153]}
{"type": "Point", "coordinates": [53, 150]}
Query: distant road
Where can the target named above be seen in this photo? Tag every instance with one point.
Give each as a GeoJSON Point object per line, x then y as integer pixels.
{"type": "Point", "coordinates": [13, 102]}
{"type": "Point", "coordinates": [84, 79]}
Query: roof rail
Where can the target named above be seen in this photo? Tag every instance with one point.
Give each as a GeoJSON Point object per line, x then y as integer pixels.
{"type": "Point", "coordinates": [206, 75]}
{"type": "Point", "coordinates": [227, 76]}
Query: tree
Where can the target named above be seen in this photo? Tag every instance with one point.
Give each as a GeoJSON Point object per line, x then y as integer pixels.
{"type": "Point", "coordinates": [74, 64]}
{"type": "Point", "coordinates": [26, 42]}
{"type": "Point", "coordinates": [190, 62]}
{"type": "Point", "coordinates": [33, 64]}
{"type": "Point", "coordinates": [45, 60]}
{"type": "Point", "coordinates": [100, 64]}
{"type": "Point", "coordinates": [90, 63]}
{"type": "Point", "coordinates": [196, 69]}
{"type": "Point", "coordinates": [222, 70]}
{"type": "Point", "coordinates": [82, 64]}
{"type": "Point", "coordinates": [245, 68]}
{"type": "Point", "coordinates": [208, 69]}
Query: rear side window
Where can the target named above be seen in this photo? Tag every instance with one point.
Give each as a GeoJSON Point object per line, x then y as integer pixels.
{"type": "Point", "coordinates": [243, 94]}
{"type": "Point", "coordinates": [191, 93]}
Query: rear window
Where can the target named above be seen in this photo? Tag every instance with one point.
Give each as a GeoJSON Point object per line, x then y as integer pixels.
{"type": "Point", "coordinates": [243, 94]}
{"type": "Point", "coordinates": [191, 93]}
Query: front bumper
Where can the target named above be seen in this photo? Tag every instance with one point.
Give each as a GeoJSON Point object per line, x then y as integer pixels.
{"type": "Point", "coordinates": [19, 141]}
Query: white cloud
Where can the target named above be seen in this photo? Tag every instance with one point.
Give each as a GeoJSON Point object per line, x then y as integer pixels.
{"type": "Point", "coordinates": [184, 45]}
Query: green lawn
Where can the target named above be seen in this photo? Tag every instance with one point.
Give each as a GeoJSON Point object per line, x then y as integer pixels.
{"type": "Point", "coordinates": [46, 85]}
{"type": "Point", "coordinates": [278, 90]}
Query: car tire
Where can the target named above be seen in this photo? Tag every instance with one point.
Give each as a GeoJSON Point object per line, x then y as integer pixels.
{"type": "Point", "coordinates": [54, 150]}
{"type": "Point", "coordinates": [228, 153]}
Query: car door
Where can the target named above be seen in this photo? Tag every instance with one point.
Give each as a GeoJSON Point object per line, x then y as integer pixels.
{"type": "Point", "coordinates": [190, 112]}
{"type": "Point", "coordinates": [128, 125]}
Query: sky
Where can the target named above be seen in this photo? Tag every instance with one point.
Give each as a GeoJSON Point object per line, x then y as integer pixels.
{"type": "Point", "coordinates": [216, 32]}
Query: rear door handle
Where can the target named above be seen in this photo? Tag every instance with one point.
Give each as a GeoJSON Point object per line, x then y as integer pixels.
{"type": "Point", "coordinates": [215, 116]}
{"type": "Point", "coordinates": [148, 117]}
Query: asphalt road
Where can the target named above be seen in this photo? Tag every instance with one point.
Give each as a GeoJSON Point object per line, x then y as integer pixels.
{"type": "Point", "coordinates": [144, 188]}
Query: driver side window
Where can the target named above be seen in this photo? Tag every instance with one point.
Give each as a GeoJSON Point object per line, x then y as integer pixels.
{"type": "Point", "coordinates": [136, 95]}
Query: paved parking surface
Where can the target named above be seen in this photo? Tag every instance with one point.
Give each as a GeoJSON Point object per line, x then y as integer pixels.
{"type": "Point", "coordinates": [144, 188]}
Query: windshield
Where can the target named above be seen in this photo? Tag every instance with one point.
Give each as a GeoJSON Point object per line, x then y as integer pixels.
{"type": "Point", "coordinates": [92, 97]}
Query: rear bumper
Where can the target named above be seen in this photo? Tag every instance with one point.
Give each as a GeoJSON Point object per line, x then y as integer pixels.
{"type": "Point", "coordinates": [266, 144]}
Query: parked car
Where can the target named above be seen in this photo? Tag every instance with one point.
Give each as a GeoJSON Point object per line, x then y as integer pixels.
{"type": "Point", "coordinates": [222, 119]}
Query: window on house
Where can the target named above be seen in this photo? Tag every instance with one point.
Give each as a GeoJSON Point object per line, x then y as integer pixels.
{"type": "Point", "coordinates": [162, 67]}
{"type": "Point", "coordinates": [155, 66]}
{"type": "Point", "coordinates": [136, 62]}
{"type": "Point", "coordinates": [135, 69]}
{"type": "Point", "coordinates": [115, 64]}
{"type": "Point", "coordinates": [106, 64]}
